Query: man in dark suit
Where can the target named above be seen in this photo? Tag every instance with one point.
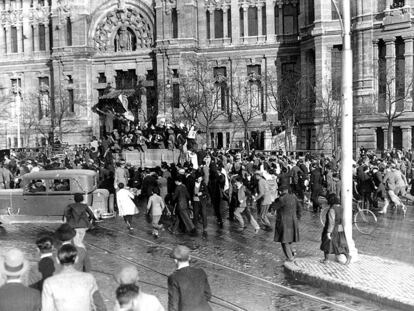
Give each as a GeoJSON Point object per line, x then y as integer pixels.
{"type": "Point", "coordinates": [188, 287]}
{"type": "Point", "coordinates": [14, 296]}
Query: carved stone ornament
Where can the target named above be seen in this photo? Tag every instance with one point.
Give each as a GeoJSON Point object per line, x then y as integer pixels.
{"type": "Point", "coordinates": [112, 30]}
{"type": "Point", "coordinates": [169, 5]}
{"type": "Point", "coordinates": [11, 17]}
{"type": "Point", "coordinates": [39, 14]}
{"type": "Point", "coordinates": [217, 4]}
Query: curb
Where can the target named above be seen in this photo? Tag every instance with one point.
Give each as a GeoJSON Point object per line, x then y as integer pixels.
{"type": "Point", "coordinates": [328, 282]}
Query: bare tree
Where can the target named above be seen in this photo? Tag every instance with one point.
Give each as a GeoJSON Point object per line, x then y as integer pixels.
{"type": "Point", "coordinates": [203, 94]}
{"type": "Point", "coordinates": [395, 90]}
{"type": "Point", "coordinates": [286, 97]}
{"type": "Point", "coordinates": [247, 99]}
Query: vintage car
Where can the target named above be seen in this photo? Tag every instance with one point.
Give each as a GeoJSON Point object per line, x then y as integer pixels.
{"type": "Point", "coordinates": [44, 195]}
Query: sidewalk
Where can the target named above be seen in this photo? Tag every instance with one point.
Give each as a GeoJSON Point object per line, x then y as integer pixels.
{"type": "Point", "coordinates": [382, 280]}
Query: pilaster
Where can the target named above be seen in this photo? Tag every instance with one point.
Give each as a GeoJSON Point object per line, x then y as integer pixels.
{"type": "Point", "coordinates": [245, 20]}
{"type": "Point", "coordinates": [235, 22]}
{"type": "Point", "coordinates": [270, 21]}
{"type": "Point", "coordinates": [408, 57]}
{"type": "Point", "coordinates": [212, 32]}
{"type": "Point", "coordinates": [390, 68]}
{"type": "Point", "coordinates": [406, 137]}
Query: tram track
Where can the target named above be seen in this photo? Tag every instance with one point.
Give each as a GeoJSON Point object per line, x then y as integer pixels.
{"type": "Point", "coordinates": [271, 284]}
{"type": "Point", "coordinates": [221, 302]}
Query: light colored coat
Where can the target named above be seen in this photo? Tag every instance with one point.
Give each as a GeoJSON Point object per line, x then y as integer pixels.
{"type": "Point", "coordinates": [125, 204]}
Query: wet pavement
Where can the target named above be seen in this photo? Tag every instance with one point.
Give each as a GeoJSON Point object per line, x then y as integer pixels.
{"type": "Point", "coordinates": [245, 270]}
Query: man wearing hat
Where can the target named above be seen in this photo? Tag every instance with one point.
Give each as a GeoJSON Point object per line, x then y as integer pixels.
{"type": "Point", "coordinates": [288, 209]}
{"type": "Point", "coordinates": [188, 287]}
{"type": "Point", "coordinates": [14, 296]}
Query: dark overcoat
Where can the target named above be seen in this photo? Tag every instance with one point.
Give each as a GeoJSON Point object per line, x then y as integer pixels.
{"type": "Point", "coordinates": [288, 212]}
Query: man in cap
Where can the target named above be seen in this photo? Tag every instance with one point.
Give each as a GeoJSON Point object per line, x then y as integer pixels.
{"type": "Point", "coordinates": [130, 296]}
{"type": "Point", "coordinates": [14, 296]}
{"type": "Point", "coordinates": [188, 287]}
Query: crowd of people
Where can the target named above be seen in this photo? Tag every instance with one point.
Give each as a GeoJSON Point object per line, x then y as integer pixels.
{"type": "Point", "coordinates": [61, 280]}
{"type": "Point", "coordinates": [247, 188]}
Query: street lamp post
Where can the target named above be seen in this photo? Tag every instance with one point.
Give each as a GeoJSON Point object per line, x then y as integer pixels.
{"type": "Point", "coordinates": [347, 126]}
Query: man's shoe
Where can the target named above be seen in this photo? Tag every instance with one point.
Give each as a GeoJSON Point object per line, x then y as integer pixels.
{"type": "Point", "coordinates": [256, 231]}
{"type": "Point", "coordinates": [205, 234]}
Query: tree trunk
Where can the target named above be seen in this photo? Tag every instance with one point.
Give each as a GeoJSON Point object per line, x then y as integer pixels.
{"type": "Point", "coordinates": [389, 135]}
{"type": "Point", "coordinates": [246, 140]}
{"type": "Point", "coordinates": [208, 138]}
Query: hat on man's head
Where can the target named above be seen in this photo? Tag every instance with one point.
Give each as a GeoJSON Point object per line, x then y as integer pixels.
{"type": "Point", "coordinates": [13, 263]}
{"type": "Point", "coordinates": [128, 275]}
{"type": "Point", "coordinates": [181, 253]}
{"type": "Point", "coordinates": [65, 232]}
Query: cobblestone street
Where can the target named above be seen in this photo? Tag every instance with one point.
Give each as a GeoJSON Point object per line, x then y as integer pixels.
{"type": "Point", "coordinates": [245, 270]}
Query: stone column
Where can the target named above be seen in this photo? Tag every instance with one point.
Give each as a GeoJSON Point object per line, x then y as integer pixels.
{"type": "Point", "coordinates": [390, 69]}
{"type": "Point", "coordinates": [19, 39]}
{"type": "Point", "coordinates": [225, 21]}
{"type": "Point", "coordinates": [47, 38]}
{"type": "Point", "coordinates": [212, 34]}
{"type": "Point", "coordinates": [406, 137]}
{"type": "Point", "coordinates": [2, 46]}
{"type": "Point", "coordinates": [385, 130]}
{"type": "Point", "coordinates": [408, 56]}
{"type": "Point", "coordinates": [281, 31]}
{"type": "Point", "coordinates": [259, 19]}
{"type": "Point", "coordinates": [270, 20]}
{"type": "Point", "coordinates": [245, 20]}
{"type": "Point", "coordinates": [8, 39]}
{"type": "Point", "coordinates": [235, 22]}
{"type": "Point", "coordinates": [375, 70]}
{"type": "Point", "coordinates": [36, 37]}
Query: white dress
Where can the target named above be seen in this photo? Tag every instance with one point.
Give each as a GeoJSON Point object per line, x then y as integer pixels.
{"type": "Point", "coordinates": [125, 204]}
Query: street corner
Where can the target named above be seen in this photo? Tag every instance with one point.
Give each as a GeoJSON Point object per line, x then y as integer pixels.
{"type": "Point", "coordinates": [384, 281]}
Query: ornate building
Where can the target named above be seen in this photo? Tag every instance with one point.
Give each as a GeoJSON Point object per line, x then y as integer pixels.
{"type": "Point", "coordinates": [63, 63]}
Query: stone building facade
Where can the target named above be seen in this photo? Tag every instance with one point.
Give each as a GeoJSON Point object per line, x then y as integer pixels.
{"type": "Point", "coordinates": [68, 56]}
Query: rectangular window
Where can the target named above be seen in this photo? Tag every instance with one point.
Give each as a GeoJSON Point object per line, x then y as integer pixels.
{"type": "Point", "coordinates": [71, 101]}
{"type": "Point", "coordinates": [241, 24]}
{"type": "Point", "coordinates": [176, 95]}
{"type": "Point", "coordinates": [252, 21]}
{"type": "Point", "coordinates": [334, 12]}
{"type": "Point", "coordinates": [277, 30]}
{"type": "Point", "coordinates": [59, 185]}
{"type": "Point", "coordinates": [68, 32]}
{"type": "Point", "coordinates": [42, 37]}
{"type": "Point", "coordinates": [382, 77]}
{"type": "Point", "coordinates": [229, 32]}
{"type": "Point", "coordinates": [6, 48]}
{"type": "Point", "coordinates": [208, 24]}
{"type": "Point", "coordinates": [336, 71]}
{"type": "Point", "coordinates": [398, 4]}
{"type": "Point", "coordinates": [101, 77]}
{"type": "Point", "coordinates": [126, 79]}
{"type": "Point", "coordinates": [264, 27]}
{"type": "Point", "coordinates": [218, 24]}
{"type": "Point", "coordinates": [289, 19]}
{"type": "Point", "coordinates": [254, 70]}
{"type": "Point", "coordinates": [16, 83]}
{"type": "Point", "coordinates": [311, 12]}
{"type": "Point", "coordinates": [13, 34]}
{"type": "Point", "coordinates": [219, 71]}
{"type": "Point", "coordinates": [400, 74]}
{"type": "Point", "coordinates": [33, 38]}
{"type": "Point", "coordinates": [174, 17]}
{"type": "Point", "coordinates": [44, 83]}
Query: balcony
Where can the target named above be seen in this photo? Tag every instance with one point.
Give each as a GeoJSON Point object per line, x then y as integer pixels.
{"type": "Point", "coordinates": [397, 17]}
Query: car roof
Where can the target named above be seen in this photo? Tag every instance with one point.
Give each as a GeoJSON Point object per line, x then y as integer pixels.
{"type": "Point", "coordinates": [58, 174]}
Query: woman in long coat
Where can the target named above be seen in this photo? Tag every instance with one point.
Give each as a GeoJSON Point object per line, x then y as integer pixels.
{"type": "Point", "coordinates": [288, 209]}
{"type": "Point", "coordinates": [333, 240]}
{"type": "Point", "coordinates": [126, 205]}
